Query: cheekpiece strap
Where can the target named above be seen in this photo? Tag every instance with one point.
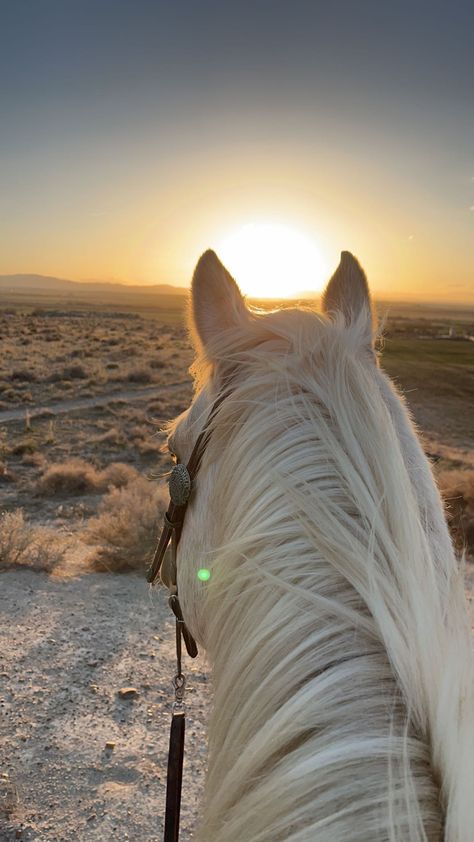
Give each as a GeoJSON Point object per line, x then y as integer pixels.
{"type": "Point", "coordinates": [180, 486]}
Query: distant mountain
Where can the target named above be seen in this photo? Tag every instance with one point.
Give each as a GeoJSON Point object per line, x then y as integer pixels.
{"type": "Point", "coordinates": [37, 282]}
{"type": "Point", "coordinates": [34, 281]}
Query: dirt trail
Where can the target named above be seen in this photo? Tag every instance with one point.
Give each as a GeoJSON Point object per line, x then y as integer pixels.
{"type": "Point", "coordinates": [67, 646]}
{"type": "Point", "coordinates": [66, 649]}
{"type": "Point", "coordinates": [61, 407]}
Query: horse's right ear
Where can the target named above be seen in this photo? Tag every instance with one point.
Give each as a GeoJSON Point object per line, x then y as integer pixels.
{"type": "Point", "coordinates": [348, 291]}
{"type": "Point", "coordinates": [216, 301]}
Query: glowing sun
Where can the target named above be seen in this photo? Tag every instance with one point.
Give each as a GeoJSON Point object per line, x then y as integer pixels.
{"type": "Point", "coordinates": [271, 260]}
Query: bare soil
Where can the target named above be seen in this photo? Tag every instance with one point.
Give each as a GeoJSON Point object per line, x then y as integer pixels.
{"type": "Point", "coordinates": [80, 404]}
{"type": "Point", "coordinates": [68, 645]}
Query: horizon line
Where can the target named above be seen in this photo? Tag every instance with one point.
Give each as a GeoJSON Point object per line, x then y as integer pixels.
{"type": "Point", "coordinates": [303, 295]}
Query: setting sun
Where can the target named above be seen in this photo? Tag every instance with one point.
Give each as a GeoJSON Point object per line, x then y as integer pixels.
{"type": "Point", "coordinates": [272, 260]}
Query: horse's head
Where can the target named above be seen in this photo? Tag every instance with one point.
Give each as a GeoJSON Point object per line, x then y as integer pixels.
{"type": "Point", "coordinates": [333, 612]}
{"type": "Point", "coordinates": [273, 369]}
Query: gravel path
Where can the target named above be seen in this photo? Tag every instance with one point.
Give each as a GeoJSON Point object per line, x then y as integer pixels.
{"type": "Point", "coordinates": [67, 646]}
{"type": "Point", "coordinates": [62, 407]}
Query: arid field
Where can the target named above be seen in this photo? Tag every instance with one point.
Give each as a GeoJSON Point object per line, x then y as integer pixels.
{"type": "Point", "coordinates": [84, 394]}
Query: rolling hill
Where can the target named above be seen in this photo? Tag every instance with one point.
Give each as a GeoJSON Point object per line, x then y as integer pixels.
{"type": "Point", "coordinates": [48, 282]}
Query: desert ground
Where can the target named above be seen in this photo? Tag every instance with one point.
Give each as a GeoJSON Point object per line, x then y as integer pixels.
{"type": "Point", "coordinates": [86, 648]}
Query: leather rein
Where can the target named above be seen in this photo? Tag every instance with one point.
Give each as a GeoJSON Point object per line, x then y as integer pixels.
{"type": "Point", "coordinates": [180, 487]}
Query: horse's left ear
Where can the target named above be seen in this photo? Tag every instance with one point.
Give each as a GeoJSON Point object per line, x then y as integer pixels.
{"type": "Point", "coordinates": [348, 293]}
{"type": "Point", "coordinates": [216, 301]}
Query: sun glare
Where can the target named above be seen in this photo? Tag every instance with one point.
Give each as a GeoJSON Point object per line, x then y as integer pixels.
{"type": "Point", "coordinates": [271, 260]}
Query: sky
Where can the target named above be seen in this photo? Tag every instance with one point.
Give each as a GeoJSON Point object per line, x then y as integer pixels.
{"type": "Point", "coordinates": [134, 135]}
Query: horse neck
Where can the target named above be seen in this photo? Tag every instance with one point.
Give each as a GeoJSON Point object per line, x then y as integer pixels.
{"type": "Point", "coordinates": [308, 734]}
{"type": "Point", "coordinates": [335, 635]}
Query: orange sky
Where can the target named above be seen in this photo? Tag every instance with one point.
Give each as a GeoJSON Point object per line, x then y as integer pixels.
{"type": "Point", "coordinates": [131, 143]}
{"type": "Point", "coordinates": [146, 231]}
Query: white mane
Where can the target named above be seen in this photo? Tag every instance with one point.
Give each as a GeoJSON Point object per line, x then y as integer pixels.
{"type": "Point", "coordinates": [334, 618]}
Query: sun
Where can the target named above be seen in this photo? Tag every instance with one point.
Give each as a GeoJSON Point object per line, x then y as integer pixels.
{"type": "Point", "coordinates": [272, 260]}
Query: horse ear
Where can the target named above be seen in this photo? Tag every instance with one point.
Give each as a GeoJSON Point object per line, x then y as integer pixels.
{"type": "Point", "coordinates": [216, 301]}
{"type": "Point", "coordinates": [348, 291]}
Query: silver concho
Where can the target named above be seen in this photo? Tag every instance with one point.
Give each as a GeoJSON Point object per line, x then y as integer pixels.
{"type": "Point", "coordinates": [179, 485]}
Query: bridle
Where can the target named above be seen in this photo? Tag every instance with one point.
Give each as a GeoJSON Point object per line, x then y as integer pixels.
{"type": "Point", "coordinates": [180, 487]}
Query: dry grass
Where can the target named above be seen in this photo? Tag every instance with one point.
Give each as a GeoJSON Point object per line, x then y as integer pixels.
{"type": "Point", "coordinates": [457, 488]}
{"type": "Point", "coordinates": [113, 437]}
{"type": "Point", "coordinates": [140, 375]}
{"type": "Point", "coordinates": [46, 356]}
{"type": "Point", "coordinates": [127, 526]}
{"type": "Point", "coordinates": [117, 475]}
{"type": "Point", "coordinates": [77, 476]}
{"type": "Point", "coordinates": [24, 375]}
{"type": "Point", "coordinates": [438, 380]}
{"type": "Point", "coordinates": [25, 545]}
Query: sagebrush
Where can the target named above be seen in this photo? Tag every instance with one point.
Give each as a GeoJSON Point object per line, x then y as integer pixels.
{"type": "Point", "coordinates": [127, 526]}
{"type": "Point", "coordinates": [23, 544]}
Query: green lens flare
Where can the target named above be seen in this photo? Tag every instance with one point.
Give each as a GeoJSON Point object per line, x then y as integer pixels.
{"type": "Point", "coordinates": [204, 575]}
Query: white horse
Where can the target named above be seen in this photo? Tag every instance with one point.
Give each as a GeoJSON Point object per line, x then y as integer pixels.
{"type": "Point", "coordinates": [334, 618]}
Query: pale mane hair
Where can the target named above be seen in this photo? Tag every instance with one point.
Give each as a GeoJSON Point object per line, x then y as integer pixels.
{"type": "Point", "coordinates": [334, 619]}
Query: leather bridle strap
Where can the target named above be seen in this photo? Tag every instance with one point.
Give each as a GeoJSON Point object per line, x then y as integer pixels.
{"type": "Point", "coordinates": [180, 485]}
